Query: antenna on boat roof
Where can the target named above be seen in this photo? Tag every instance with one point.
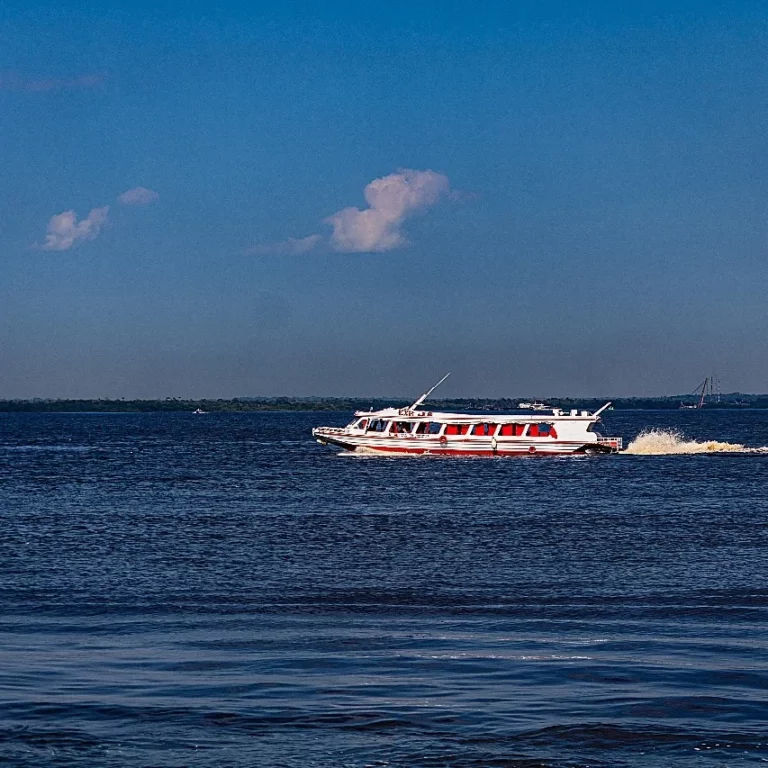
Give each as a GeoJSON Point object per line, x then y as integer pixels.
{"type": "Point", "coordinates": [428, 393]}
{"type": "Point", "coordinates": [600, 410]}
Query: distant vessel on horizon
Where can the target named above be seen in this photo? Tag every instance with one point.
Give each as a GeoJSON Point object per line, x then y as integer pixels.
{"type": "Point", "coordinates": [704, 390]}
{"type": "Point", "coordinates": [535, 406]}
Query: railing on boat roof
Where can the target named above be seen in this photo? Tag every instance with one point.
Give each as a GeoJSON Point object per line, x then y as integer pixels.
{"type": "Point", "coordinates": [407, 414]}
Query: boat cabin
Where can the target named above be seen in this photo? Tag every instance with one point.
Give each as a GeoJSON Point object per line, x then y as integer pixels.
{"type": "Point", "coordinates": [424, 428]}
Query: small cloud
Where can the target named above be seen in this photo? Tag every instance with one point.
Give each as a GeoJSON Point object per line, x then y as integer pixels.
{"type": "Point", "coordinates": [12, 81]}
{"type": "Point", "coordinates": [138, 196]}
{"type": "Point", "coordinates": [391, 199]}
{"type": "Point", "coordinates": [293, 246]}
{"type": "Point", "coordinates": [64, 230]}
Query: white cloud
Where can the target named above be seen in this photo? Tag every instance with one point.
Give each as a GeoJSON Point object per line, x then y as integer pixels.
{"type": "Point", "coordinates": [64, 230]}
{"type": "Point", "coordinates": [391, 200]}
{"type": "Point", "coordinates": [293, 246]}
{"type": "Point", "coordinates": [138, 196]}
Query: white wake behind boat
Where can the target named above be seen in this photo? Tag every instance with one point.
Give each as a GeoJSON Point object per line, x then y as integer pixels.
{"type": "Point", "coordinates": [413, 430]}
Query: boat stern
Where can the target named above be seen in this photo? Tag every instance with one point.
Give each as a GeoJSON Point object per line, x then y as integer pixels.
{"type": "Point", "coordinates": [602, 445]}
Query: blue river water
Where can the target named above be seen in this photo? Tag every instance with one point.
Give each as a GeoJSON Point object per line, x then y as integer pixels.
{"type": "Point", "coordinates": [219, 590]}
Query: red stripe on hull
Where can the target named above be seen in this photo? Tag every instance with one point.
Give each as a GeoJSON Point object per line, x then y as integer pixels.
{"type": "Point", "coordinates": [456, 452]}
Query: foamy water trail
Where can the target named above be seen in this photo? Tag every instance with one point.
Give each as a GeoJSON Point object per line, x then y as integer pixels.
{"type": "Point", "coordinates": [660, 442]}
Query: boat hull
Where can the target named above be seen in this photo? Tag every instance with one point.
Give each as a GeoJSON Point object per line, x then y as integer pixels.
{"type": "Point", "coordinates": [409, 445]}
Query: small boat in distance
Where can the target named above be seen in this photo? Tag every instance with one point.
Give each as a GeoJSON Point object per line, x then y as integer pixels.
{"type": "Point", "coordinates": [199, 410]}
{"type": "Point", "coordinates": [412, 430]}
{"type": "Point", "coordinates": [701, 392]}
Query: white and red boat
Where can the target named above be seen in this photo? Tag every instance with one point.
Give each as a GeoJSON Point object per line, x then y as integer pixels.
{"type": "Point", "coordinates": [413, 430]}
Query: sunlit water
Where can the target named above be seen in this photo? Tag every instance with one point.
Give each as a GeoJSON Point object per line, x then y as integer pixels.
{"type": "Point", "coordinates": [218, 590]}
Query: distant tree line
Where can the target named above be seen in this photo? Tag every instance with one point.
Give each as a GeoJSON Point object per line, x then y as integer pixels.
{"type": "Point", "coordinates": [255, 404]}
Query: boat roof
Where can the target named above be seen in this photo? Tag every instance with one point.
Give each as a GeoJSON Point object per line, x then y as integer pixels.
{"type": "Point", "coordinates": [406, 414]}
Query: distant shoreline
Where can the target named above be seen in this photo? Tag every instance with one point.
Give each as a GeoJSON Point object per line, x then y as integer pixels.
{"type": "Point", "coordinates": [251, 405]}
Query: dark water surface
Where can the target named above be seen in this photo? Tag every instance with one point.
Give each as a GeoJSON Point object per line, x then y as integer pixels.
{"type": "Point", "coordinates": [218, 590]}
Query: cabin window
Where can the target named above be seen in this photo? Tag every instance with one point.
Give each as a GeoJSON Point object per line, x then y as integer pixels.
{"type": "Point", "coordinates": [512, 430]}
{"type": "Point", "coordinates": [457, 429]}
{"type": "Point", "coordinates": [362, 424]}
{"type": "Point", "coordinates": [484, 429]}
{"type": "Point", "coordinates": [541, 430]}
{"type": "Point", "coordinates": [434, 428]}
{"type": "Point", "coordinates": [402, 427]}
{"type": "Point", "coordinates": [378, 425]}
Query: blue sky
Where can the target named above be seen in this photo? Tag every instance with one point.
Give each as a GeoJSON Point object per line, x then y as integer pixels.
{"type": "Point", "coordinates": [567, 199]}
